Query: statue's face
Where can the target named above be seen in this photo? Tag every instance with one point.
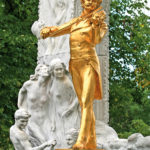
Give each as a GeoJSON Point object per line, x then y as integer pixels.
{"type": "Point", "coordinates": [58, 70]}
{"type": "Point", "coordinates": [89, 4]}
{"type": "Point", "coordinates": [44, 71]}
{"type": "Point", "coordinates": [22, 123]}
{"type": "Point", "coordinates": [70, 140]}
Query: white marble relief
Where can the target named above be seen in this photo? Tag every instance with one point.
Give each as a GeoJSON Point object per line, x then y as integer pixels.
{"type": "Point", "coordinates": [20, 138]}
{"type": "Point", "coordinates": [50, 98]}
{"type": "Point", "coordinates": [65, 103]}
{"type": "Point", "coordinates": [33, 97]}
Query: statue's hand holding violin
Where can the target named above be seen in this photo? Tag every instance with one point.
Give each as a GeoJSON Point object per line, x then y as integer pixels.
{"type": "Point", "coordinates": [98, 18]}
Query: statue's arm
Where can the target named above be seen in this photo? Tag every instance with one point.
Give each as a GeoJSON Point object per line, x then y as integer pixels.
{"type": "Point", "coordinates": [103, 29]}
{"type": "Point", "coordinates": [23, 141]}
{"type": "Point", "coordinates": [73, 98]}
{"type": "Point", "coordinates": [100, 32]}
{"type": "Point", "coordinates": [99, 26]}
{"type": "Point", "coordinates": [21, 97]}
{"type": "Point", "coordinates": [53, 123]}
{"type": "Point", "coordinates": [49, 144]}
{"type": "Point", "coordinates": [21, 138]}
{"type": "Point", "coordinates": [55, 31]}
{"type": "Point", "coordinates": [63, 29]}
{"type": "Point", "coordinates": [27, 145]}
{"type": "Point", "coordinates": [41, 147]}
{"type": "Point", "coordinates": [74, 101]}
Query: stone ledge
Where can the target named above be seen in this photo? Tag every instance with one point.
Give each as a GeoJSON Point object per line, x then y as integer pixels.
{"type": "Point", "coordinates": [79, 149]}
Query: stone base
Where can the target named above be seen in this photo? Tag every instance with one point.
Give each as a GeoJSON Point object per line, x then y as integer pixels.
{"type": "Point", "coordinates": [79, 149]}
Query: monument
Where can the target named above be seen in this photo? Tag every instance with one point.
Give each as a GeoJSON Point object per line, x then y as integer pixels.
{"type": "Point", "coordinates": [86, 31]}
{"type": "Point", "coordinates": [52, 101]}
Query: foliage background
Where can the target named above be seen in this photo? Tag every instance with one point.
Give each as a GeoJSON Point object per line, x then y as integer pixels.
{"type": "Point", "coordinates": [129, 63]}
{"type": "Point", "coordinates": [17, 58]}
{"type": "Point", "coordinates": [129, 67]}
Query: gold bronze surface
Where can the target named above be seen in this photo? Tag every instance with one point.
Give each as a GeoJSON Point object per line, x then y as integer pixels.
{"type": "Point", "coordinates": [84, 65]}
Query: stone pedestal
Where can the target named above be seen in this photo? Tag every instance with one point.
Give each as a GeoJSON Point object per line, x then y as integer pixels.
{"type": "Point", "coordinates": [79, 149]}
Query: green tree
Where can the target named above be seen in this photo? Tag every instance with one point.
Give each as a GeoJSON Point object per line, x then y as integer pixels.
{"type": "Point", "coordinates": [17, 58]}
{"type": "Point", "coordinates": [129, 66]}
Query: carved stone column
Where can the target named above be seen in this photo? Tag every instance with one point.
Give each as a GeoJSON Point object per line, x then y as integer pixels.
{"type": "Point", "coordinates": [102, 107]}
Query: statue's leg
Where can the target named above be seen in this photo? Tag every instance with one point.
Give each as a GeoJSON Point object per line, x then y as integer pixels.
{"type": "Point", "coordinates": [87, 75]}
{"type": "Point", "coordinates": [75, 73]}
{"type": "Point", "coordinates": [35, 134]}
{"type": "Point", "coordinates": [91, 141]}
{"type": "Point", "coordinates": [77, 82]}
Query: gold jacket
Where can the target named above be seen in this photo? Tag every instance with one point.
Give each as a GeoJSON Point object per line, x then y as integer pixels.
{"type": "Point", "coordinates": [83, 38]}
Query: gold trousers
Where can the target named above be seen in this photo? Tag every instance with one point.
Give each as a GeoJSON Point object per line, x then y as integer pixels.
{"type": "Point", "coordinates": [84, 80]}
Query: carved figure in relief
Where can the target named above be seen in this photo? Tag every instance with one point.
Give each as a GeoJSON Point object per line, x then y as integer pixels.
{"type": "Point", "coordinates": [85, 32]}
{"type": "Point", "coordinates": [44, 46]}
{"type": "Point", "coordinates": [64, 99]}
{"type": "Point", "coordinates": [61, 9]}
{"type": "Point", "coordinates": [71, 137]}
{"type": "Point", "coordinates": [33, 97]}
{"type": "Point", "coordinates": [19, 137]}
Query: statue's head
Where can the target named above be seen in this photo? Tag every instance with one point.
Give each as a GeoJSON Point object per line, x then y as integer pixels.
{"type": "Point", "coordinates": [21, 118]}
{"type": "Point", "coordinates": [71, 136]}
{"type": "Point", "coordinates": [42, 70]}
{"type": "Point", "coordinates": [57, 68]}
{"type": "Point", "coordinates": [90, 4]}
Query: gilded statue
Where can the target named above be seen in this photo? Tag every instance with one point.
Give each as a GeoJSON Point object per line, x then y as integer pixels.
{"type": "Point", "coordinates": [85, 31]}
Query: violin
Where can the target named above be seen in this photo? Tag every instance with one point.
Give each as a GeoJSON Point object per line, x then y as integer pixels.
{"type": "Point", "coordinates": [97, 13]}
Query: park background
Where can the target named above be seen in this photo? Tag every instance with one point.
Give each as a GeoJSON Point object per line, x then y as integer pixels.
{"type": "Point", "coordinates": [129, 33]}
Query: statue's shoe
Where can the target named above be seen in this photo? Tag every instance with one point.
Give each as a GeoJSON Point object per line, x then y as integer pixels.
{"type": "Point", "coordinates": [79, 146]}
{"type": "Point", "coordinates": [91, 144]}
{"type": "Point", "coordinates": [90, 147]}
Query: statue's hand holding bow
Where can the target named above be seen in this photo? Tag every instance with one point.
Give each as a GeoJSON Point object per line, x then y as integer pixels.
{"type": "Point", "coordinates": [47, 31]}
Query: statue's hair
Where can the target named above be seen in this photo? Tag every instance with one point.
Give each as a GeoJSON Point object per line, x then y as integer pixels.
{"type": "Point", "coordinates": [38, 68]}
{"type": "Point", "coordinates": [21, 113]}
{"type": "Point", "coordinates": [33, 77]}
{"type": "Point", "coordinates": [54, 62]}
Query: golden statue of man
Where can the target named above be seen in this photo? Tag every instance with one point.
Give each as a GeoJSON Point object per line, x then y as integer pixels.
{"type": "Point", "coordinates": [85, 32]}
